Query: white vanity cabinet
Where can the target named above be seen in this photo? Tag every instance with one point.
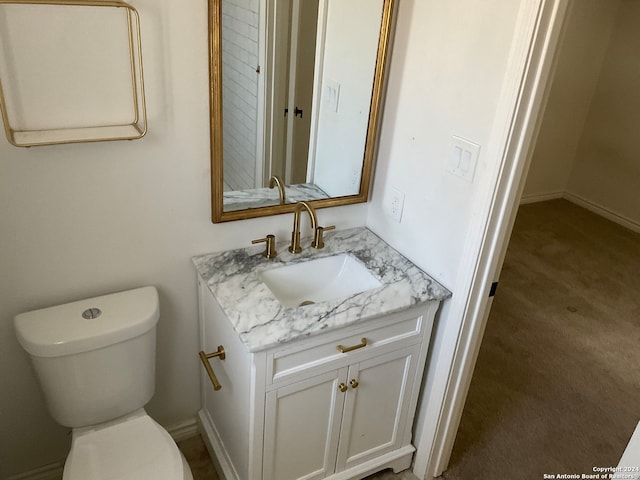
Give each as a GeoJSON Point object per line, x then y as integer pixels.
{"type": "Point", "coordinates": [336, 420]}
{"type": "Point", "coordinates": [304, 409]}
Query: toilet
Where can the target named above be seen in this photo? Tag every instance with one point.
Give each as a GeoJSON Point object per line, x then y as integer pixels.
{"type": "Point", "coordinates": [95, 360]}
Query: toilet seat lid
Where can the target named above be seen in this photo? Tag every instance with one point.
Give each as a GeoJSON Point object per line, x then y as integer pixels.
{"type": "Point", "coordinates": [135, 449]}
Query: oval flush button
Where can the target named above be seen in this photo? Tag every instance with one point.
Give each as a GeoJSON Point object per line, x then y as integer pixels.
{"type": "Point", "coordinates": [91, 313]}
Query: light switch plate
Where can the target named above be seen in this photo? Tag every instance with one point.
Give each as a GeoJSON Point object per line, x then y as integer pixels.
{"type": "Point", "coordinates": [464, 158]}
{"type": "Point", "coordinates": [331, 95]}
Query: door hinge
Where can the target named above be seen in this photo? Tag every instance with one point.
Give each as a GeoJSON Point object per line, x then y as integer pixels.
{"type": "Point", "coordinates": [494, 287]}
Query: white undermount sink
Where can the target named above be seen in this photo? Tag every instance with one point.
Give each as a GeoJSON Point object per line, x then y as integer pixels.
{"type": "Point", "coordinates": [327, 278]}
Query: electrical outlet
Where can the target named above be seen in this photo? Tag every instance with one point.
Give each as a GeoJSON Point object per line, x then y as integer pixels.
{"type": "Point", "coordinates": [396, 204]}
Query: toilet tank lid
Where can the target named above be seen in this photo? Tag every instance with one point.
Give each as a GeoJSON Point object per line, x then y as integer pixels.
{"type": "Point", "coordinates": [63, 330]}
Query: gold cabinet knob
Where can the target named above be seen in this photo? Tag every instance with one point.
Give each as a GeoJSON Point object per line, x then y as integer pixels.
{"type": "Point", "coordinates": [342, 387]}
{"type": "Point", "coordinates": [354, 383]}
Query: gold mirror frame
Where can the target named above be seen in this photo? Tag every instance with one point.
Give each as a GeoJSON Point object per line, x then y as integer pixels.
{"type": "Point", "coordinates": [215, 103]}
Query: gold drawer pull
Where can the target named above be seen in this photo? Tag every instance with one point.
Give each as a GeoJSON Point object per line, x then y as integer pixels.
{"type": "Point", "coordinates": [354, 383]}
{"type": "Point", "coordinates": [343, 349]}
{"type": "Point", "coordinates": [342, 387]}
{"type": "Point", "coordinates": [204, 357]}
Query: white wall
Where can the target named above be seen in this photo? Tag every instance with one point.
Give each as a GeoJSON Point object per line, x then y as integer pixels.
{"type": "Point", "coordinates": [606, 172]}
{"type": "Point", "coordinates": [586, 149]}
{"type": "Point", "coordinates": [86, 219]}
{"type": "Point", "coordinates": [93, 87]}
{"type": "Point", "coordinates": [430, 98]}
{"type": "Point", "coordinates": [590, 25]}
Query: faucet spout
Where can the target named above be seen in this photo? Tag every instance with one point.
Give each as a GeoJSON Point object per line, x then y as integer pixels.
{"type": "Point", "coordinates": [275, 181]}
{"type": "Point", "coordinates": [295, 234]}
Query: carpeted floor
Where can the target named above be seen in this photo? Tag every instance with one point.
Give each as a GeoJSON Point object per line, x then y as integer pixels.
{"type": "Point", "coordinates": [198, 458]}
{"type": "Point", "coordinates": [556, 388]}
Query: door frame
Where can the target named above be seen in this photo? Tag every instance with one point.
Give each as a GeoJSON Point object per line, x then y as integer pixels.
{"type": "Point", "coordinates": [539, 26]}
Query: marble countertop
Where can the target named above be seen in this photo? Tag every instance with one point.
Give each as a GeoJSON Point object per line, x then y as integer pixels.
{"type": "Point", "coordinates": [268, 197]}
{"type": "Point", "coordinates": [262, 322]}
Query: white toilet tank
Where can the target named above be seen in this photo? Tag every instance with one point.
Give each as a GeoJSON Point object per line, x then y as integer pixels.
{"type": "Point", "coordinates": [95, 358]}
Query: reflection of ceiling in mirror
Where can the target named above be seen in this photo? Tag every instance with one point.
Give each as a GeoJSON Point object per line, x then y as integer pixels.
{"type": "Point", "coordinates": [266, 197]}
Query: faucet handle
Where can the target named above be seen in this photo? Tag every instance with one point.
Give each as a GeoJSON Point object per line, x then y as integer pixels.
{"type": "Point", "coordinates": [270, 251]}
{"type": "Point", "coordinates": [318, 239]}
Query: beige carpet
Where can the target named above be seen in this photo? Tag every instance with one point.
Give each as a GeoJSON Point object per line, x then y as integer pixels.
{"type": "Point", "coordinates": [195, 452]}
{"type": "Point", "coordinates": [556, 388]}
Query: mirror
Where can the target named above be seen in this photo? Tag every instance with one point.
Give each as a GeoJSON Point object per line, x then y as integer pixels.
{"type": "Point", "coordinates": [296, 89]}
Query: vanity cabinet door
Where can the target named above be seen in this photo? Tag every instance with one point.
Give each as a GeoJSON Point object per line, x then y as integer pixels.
{"type": "Point", "coordinates": [302, 424]}
{"type": "Point", "coordinates": [376, 406]}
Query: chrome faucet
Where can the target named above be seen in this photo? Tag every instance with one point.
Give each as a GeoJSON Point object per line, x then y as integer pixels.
{"type": "Point", "coordinates": [295, 234]}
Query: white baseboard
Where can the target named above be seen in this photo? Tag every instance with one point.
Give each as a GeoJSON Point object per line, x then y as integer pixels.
{"type": "Point", "coordinates": [179, 431]}
{"type": "Point", "coordinates": [217, 452]}
{"type": "Point", "coordinates": [540, 197]}
{"type": "Point", "coordinates": [603, 211]}
{"type": "Point", "coordinates": [182, 430]}
{"type": "Point", "coordinates": [584, 203]}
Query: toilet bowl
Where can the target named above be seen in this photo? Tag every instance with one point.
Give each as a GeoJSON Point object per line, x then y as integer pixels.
{"type": "Point", "coordinates": [131, 448]}
{"type": "Point", "coordinates": [95, 360]}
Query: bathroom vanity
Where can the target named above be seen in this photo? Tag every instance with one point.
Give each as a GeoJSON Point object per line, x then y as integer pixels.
{"type": "Point", "coordinates": [324, 353]}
